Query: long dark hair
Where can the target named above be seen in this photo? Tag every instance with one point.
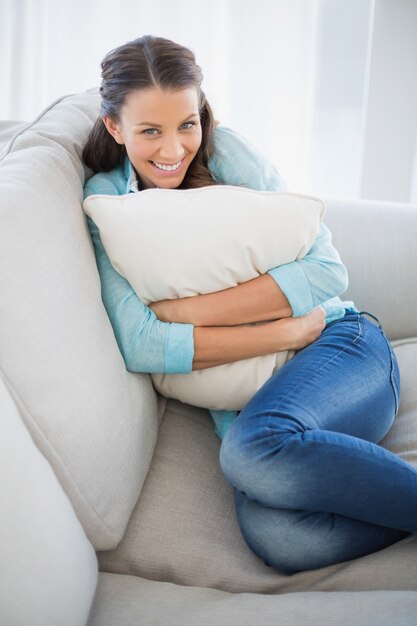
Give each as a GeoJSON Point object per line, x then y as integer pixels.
{"type": "Point", "coordinates": [146, 63]}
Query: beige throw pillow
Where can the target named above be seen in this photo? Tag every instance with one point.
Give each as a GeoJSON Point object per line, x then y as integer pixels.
{"type": "Point", "coordinates": [171, 243]}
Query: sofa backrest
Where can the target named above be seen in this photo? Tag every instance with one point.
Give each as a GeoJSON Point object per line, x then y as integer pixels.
{"type": "Point", "coordinates": [48, 572]}
{"type": "Point", "coordinates": [377, 243]}
{"type": "Point", "coordinates": [95, 422]}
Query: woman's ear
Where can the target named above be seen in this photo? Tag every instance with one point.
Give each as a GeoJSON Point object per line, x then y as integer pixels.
{"type": "Point", "coordinates": [113, 129]}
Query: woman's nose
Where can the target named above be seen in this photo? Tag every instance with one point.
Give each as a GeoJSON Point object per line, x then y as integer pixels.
{"type": "Point", "coordinates": [171, 149]}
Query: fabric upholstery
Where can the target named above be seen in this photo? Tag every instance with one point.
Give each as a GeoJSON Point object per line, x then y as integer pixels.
{"type": "Point", "coordinates": [48, 571]}
{"type": "Point", "coordinates": [184, 529]}
{"type": "Point", "coordinates": [7, 130]}
{"type": "Point", "coordinates": [208, 239]}
{"type": "Point", "coordinates": [94, 422]}
{"type": "Point", "coordinates": [377, 243]}
{"type": "Point", "coordinates": [129, 601]}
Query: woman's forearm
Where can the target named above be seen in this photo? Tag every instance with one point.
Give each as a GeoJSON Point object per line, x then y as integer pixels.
{"type": "Point", "coordinates": [219, 345]}
{"type": "Point", "coordinates": [256, 300]}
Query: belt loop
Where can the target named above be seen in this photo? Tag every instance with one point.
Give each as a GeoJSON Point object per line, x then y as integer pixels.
{"type": "Point", "coordinates": [373, 317]}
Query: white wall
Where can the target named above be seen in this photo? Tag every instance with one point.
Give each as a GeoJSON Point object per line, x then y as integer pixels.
{"type": "Point", "coordinates": [300, 78]}
{"type": "Point", "coordinates": [390, 131]}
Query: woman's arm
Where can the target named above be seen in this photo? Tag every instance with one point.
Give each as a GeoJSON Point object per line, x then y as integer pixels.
{"type": "Point", "coordinates": [257, 300]}
{"type": "Point", "coordinates": [314, 279]}
{"type": "Point", "coordinates": [217, 346]}
{"type": "Point", "coordinates": [292, 289]}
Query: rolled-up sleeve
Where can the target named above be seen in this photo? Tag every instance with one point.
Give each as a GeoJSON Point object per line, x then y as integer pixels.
{"type": "Point", "coordinates": [315, 278]}
{"type": "Point", "coordinates": [237, 162]}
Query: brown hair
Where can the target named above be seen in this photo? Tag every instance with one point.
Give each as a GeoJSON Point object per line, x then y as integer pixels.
{"type": "Point", "coordinates": [146, 63]}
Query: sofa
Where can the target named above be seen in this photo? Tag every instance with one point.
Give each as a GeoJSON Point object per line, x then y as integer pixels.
{"type": "Point", "coordinates": [114, 511]}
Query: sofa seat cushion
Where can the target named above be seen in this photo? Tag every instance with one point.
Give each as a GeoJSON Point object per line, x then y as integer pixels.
{"type": "Point", "coordinates": [128, 601]}
{"type": "Point", "coordinates": [183, 529]}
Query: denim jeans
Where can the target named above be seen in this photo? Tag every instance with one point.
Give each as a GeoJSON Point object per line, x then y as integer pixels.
{"type": "Point", "coordinates": [312, 487]}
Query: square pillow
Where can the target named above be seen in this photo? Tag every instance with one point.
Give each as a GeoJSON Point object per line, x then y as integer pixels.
{"type": "Point", "coordinates": [171, 243]}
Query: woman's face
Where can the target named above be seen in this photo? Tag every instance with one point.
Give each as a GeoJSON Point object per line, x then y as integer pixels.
{"type": "Point", "coordinates": [161, 132]}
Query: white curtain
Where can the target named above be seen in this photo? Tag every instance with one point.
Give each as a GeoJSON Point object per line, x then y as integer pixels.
{"type": "Point", "coordinates": [299, 78]}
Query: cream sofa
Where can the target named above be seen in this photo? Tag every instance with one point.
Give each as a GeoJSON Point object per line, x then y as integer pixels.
{"type": "Point", "coordinates": [114, 511]}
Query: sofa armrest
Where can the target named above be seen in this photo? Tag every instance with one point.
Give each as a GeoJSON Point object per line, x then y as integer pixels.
{"type": "Point", "coordinates": [378, 244]}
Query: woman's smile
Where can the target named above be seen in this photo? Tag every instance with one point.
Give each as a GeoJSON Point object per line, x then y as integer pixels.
{"type": "Point", "coordinates": [165, 169]}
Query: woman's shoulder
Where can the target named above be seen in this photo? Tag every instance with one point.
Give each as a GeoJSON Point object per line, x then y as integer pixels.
{"type": "Point", "coordinates": [230, 150]}
{"type": "Point", "coordinates": [113, 183]}
{"type": "Point", "coordinates": [227, 139]}
{"type": "Point", "coordinates": [236, 161]}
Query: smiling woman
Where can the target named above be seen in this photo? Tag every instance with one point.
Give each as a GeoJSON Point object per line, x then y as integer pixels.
{"type": "Point", "coordinates": [162, 153]}
{"type": "Point", "coordinates": [171, 150]}
{"type": "Point", "coordinates": [326, 446]}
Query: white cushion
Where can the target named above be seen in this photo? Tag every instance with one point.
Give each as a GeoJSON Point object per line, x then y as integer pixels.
{"type": "Point", "coordinates": [95, 422]}
{"type": "Point", "coordinates": [171, 243]}
{"type": "Point", "coordinates": [48, 572]}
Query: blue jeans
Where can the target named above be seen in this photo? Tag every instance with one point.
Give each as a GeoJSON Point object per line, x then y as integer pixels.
{"type": "Point", "coordinates": [312, 487]}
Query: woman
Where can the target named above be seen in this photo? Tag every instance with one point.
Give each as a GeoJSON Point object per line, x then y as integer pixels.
{"type": "Point", "coordinates": [311, 486]}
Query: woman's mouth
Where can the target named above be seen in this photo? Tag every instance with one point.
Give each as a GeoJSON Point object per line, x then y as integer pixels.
{"type": "Point", "coordinates": [165, 169]}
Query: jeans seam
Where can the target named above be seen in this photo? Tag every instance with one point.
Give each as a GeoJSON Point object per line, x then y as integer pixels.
{"type": "Point", "coordinates": [360, 330]}
{"type": "Point", "coordinates": [355, 340]}
{"type": "Point", "coordinates": [392, 359]}
{"type": "Point", "coordinates": [391, 376]}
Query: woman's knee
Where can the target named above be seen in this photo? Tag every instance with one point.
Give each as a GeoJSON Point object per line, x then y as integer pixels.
{"type": "Point", "coordinates": [281, 539]}
{"type": "Point", "coordinates": [272, 537]}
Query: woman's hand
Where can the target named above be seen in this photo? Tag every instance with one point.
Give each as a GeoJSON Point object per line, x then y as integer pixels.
{"type": "Point", "coordinates": [301, 331]}
{"type": "Point", "coordinates": [219, 345]}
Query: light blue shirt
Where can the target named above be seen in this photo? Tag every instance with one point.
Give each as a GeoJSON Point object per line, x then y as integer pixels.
{"type": "Point", "coordinates": [149, 345]}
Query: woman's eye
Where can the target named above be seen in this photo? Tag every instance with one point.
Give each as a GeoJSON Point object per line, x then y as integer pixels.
{"type": "Point", "coordinates": [151, 131]}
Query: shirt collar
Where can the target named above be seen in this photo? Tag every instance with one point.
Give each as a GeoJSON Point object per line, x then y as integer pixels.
{"type": "Point", "coordinates": [132, 183]}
